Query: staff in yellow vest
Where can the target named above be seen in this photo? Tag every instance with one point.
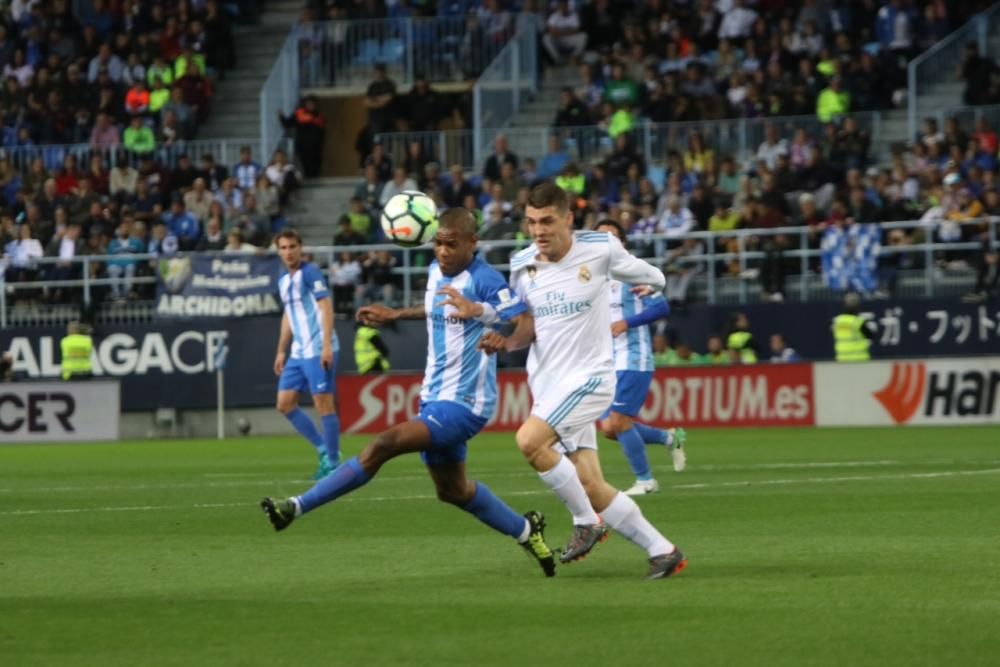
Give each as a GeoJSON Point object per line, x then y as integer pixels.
{"type": "Point", "coordinates": [370, 351]}
{"type": "Point", "coordinates": [76, 348]}
{"type": "Point", "coordinates": [740, 343]}
{"type": "Point", "coordinates": [852, 334]}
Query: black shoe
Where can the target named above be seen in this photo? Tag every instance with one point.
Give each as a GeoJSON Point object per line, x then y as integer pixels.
{"type": "Point", "coordinates": [536, 546]}
{"type": "Point", "coordinates": [662, 567]}
{"type": "Point", "coordinates": [281, 513]}
{"type": "Point", "coordinates": [584, 539]}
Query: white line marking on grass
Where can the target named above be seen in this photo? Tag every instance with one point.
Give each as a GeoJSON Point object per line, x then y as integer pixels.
{"type": "Point", "coordinates": [535, 492]}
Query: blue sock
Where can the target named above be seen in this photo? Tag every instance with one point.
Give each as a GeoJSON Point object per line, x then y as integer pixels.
{"type": "Point", "coordinates": [635, 452]}
{"type": "Point", "coordinates": [343, 480]}
{"type": "Point", "coordinates": [494, 512]}
{"type": "Point", "coordinates": [650, 435]}
{"type": "Point", "coordinates": [331, 437]}
{"type": "Point", "coordinates": [306, 428]}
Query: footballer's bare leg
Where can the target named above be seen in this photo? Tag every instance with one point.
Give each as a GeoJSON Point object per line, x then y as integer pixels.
{"type": "Point", "coordinates": [474, 497]}
{"type": "Point", "coordinates": [536, 440]}
{"type": "Point", "coordinates": [623, 515]}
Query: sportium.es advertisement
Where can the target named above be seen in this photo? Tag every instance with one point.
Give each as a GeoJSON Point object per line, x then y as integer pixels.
{"type": "Point", "coordinates": [917, 392]}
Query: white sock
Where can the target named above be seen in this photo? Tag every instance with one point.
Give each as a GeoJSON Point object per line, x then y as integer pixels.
{"type": "Point", "coordinates": [565, 482]}
{"type": "Point", "coordinates": [523, 537]}
{"type": "Point", "coordinates": [625, 517]}
{"type": "Point", "coordinates": [297, 505]}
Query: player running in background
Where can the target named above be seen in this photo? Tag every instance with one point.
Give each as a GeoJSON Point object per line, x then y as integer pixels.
{"type": "Point", "coordinates": [308, 325]}
{"type": "Point", "coordinates": [458, 396]}
{"type": "Point", "coordinates": [633, 355]}
{"type": "Point", "coordinates": [563, 277]}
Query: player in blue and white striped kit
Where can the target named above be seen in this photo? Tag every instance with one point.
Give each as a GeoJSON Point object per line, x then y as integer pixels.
{"type": "Point", "coordinates": [633, 355]}
{"type": "Point", "coordinates": [464, 297]}
{"type": "Point", "coordinates": [308, 325]}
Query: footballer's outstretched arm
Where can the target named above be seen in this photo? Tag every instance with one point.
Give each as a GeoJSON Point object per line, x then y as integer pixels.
{"type": "Point", "coordinates": [630, 269]}
{"type": "Point", "coordinates": [376, 314]}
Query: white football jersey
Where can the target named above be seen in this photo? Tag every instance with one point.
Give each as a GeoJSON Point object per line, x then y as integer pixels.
{"type": "Point", "coordinates": [569, 300]}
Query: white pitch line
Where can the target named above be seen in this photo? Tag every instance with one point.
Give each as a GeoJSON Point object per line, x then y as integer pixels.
{"type": "Point", "coordinates": [536, 492]}
{"type": "Point", "coordinates": [269, 478]}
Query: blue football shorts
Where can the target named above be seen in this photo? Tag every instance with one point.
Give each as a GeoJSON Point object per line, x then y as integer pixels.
{"type": "Point", "coordinates": [451, 425]}
{"type": "Point", "coordinates": [630, 393]}
{"type": "Point", "coordinates": [308, 375]}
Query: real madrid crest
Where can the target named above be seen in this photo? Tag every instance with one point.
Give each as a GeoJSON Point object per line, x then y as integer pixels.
{"type": "Point", "coordinates": [584, 274]}
{"type": "Point", "coordinates": [532, 271]}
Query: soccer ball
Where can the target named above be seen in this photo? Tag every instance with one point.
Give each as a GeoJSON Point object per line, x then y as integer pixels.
{"type": "Point", "coordinates": [410, 219]}
{"type": "Point", "coordinates": [243, 425]}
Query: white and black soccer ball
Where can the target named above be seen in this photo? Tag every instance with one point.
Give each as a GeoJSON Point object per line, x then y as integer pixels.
{"type": "Point", "coordinates": [243, 425]}
{"type": "Point", "coordinates": [410, 219]}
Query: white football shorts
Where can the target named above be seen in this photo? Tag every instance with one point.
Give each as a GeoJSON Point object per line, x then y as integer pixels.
{"type": "Point", "coordinates": [572, 406]}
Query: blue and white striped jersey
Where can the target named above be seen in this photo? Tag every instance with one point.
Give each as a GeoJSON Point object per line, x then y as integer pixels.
{"type": "Point", "coordinates": [456, 370]}
{"type": "Point", "coordinates": [634, 348]}
{"type": "Point", "coordinates": [301, 293]}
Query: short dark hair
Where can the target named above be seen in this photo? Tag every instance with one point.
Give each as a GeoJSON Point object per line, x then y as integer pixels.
{"type": "Point", "coordinates": [619, 230]}
{"type": "Point", "coordinates": [288, 234]}
{"type": "Point", "coordinates": [549, 194]}
{"type": "Point", "coordinates": [459, 219]}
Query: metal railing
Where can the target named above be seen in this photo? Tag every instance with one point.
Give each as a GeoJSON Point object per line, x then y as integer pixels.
{"type": "Point", "coordinates": [443, 48]}
{"type": "Point", "coordinates": [506, 84]}
{"type": "Point", "coordinates": [736, 137]}
{"type": "Point", "coordinates": [941, 63]}
{"type": "Point", "coordinates": [412, 265]}
{"type": "Point", "coordinates": [225, 151]}
{"type": "Point", "coordinates": [278, 96]}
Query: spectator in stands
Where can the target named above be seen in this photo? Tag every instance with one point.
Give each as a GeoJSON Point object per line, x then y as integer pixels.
{"type": "Point", "coordinates": [236, 244]}
{"type": "Point", "coordinates": [737, 21]}
{"type": "Point", "coordinates": [772, 147]}
{"type": "Point", "coordinates": [563, 37]}
{"type": "Point", "coordinates": [359, 224]}
{"type": "Point", "coordinates": [370, 191]}
{"type": "Point", "coordinates": [716, 352]}
{"type": "Point", "coordinates": [104, 135]}
{"type": "Point", "coordinates": [185, 113]}
{"type": "Point", "coordinates": [379, 280]}
{"type": "Point", "coordinates": [501, 154]}
{"type": "Point", "coordinates": [122, 269]}
{"type": "Point", "coordinates": [198, 199]}
{"type": "Point", "coordinates": [22, 255]}
{"type": "Point", "coordinates": [230, 198]}
{"type": "Point", "coordinates": [246, 170]}
{"type": "Point", "coordinates": [345, 276]}
{"type": "Point", "coordinates": [555, 160]}
{"type": "Point", "coordinates": [423, 106]}
{"type": "Point", "coordinates": [780, 352]}
{"type": "Point", "coordinates": [282, 174]}
{"type": "Point", "coordinates": [138, 137]}
{"type": "Point", "coordinates": [677, 219]}
{"type": "Point", "coordinates": [978, 73]}
{"type": "Point", "coordinates": [182, 225]}
{"type": "Point", "coordinates": [67, 245]}
{"type": "Point", "coordinates": [457, 188]}
{"type": "Point", "coordinates": [987, 275]}
{"type": "Point", "coordinates": [380, 101]}
{"type": "Point", "coordinates": [572, 112]}
{"type": "Point", "coordinates": [215, 237]}
{"type": "Point", "coordinates": [215, 175]}
{"type": "Point", "coordinates": [309, 130]}
{"type": "Point", "coordinates": [740, 343]}
{"type": "Point", "coordinates": [833, 101]}
{"type": "Point", "coordinates": [400, 182]}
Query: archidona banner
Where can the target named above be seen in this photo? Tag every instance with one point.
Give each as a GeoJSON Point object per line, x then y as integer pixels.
{"type": "Point", "coordinates": [220, 286]}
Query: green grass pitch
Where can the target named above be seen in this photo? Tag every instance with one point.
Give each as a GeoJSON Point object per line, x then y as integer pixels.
{"type": "Point", "coordinates": [807, 547]}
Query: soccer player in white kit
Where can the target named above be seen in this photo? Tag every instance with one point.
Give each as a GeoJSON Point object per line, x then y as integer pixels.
{"type": "Point", "coordinates": [564, 277]}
